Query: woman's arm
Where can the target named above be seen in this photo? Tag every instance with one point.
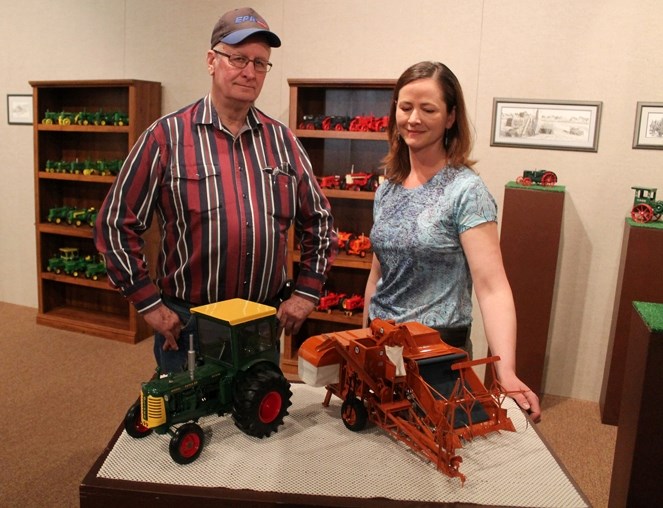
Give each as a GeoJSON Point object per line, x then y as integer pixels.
{"type": "Point", "coordinates": [482, 250]}
{"type": "Point", "coordinates": [373, 278]}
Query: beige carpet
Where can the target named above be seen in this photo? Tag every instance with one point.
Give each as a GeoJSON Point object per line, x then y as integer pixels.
{"type": "Point", "coordinates": [64, 394]}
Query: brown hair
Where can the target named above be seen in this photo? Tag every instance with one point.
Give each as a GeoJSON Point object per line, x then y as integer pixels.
{"type": "Point", "coordinates": [458, 138]}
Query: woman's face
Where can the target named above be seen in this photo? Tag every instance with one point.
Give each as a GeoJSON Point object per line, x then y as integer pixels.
{"type": "Point", "coordinates": [421, 114]}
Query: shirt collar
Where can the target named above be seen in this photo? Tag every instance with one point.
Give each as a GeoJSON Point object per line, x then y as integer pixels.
{"type": "Point", "coordinates": [206, 114]}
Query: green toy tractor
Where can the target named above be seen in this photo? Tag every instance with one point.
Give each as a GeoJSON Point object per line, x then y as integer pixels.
{"type": "Point", "coordinates": [236, 371]}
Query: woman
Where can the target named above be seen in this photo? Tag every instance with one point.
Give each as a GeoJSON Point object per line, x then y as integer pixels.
{"type": "Point", "coordinates": [435, 227]}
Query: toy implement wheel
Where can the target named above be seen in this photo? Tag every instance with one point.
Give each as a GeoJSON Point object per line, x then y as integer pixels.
{"type": "Point", "coordinates": [549, 179]}
{"type": "Point", "coordinates": [262, 399]}
{"type": "Point", "coordinates": [187, 443]}
{"type": "Point", "coordinates": [133, 424]}
{"type": "Point", "coordinates": [354, 414]}
{"type": "Point", "coordinates": [642, 213]}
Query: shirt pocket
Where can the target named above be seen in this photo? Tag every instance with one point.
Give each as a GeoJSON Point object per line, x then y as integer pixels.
{"type": "Point", "coordinates": [196, 188]}
{"type": "Point", "coordinates": [282, 198]}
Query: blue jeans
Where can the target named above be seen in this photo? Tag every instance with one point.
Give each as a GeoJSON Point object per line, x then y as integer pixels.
{"type": "Point", "coordinates": [176, 361]}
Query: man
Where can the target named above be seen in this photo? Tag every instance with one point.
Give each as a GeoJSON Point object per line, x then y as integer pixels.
{"type": "Point", "coordinates": [226, 182]}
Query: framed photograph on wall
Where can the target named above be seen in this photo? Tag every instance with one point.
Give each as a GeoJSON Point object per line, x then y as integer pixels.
{"type": "Point", "coordinates": [553, 125]}
{"type": "Point", "coordinates": [648, 125]}
{"type": "Point", "coordinates": [19, 109]}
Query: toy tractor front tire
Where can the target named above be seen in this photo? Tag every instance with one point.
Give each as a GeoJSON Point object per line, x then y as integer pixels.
{"type": "Point", "coordinates": [187, 443]}
{"type": "Point", "coordinates": [262, 399]}
{"type": "Point", "coordinates": [133, 425]}
{"type": "Point", "coordinates": [354, 414]}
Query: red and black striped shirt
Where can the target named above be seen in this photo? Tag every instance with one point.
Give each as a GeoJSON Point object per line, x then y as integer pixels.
{"type": "Point", "coordinates": [224, 205]}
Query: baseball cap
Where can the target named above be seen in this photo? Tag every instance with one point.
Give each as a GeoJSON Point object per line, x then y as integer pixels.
{"type": "Point", "coordinates": [236, 25]}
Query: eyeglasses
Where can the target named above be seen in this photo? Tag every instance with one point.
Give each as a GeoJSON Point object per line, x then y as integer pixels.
{"type": "Point", "coordinates": [240, 61]}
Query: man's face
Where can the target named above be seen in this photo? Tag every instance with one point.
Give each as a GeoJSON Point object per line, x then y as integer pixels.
{"type": "Point", "coordinates": [233, 83]}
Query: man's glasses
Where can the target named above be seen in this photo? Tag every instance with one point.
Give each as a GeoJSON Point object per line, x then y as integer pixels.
{"type": "Point", "coordinates": [240, 61]}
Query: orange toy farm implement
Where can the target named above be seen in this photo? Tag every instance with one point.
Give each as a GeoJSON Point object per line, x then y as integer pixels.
{"type": "Point", "coordinates": [407, 381]}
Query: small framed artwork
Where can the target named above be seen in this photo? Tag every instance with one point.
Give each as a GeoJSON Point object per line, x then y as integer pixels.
{"type": "Point", "coordinates": [648, 125]}
{"type": "Point", "coordinates": [552, 125]}
{"type": "Point", "coordinates": [19, 109]}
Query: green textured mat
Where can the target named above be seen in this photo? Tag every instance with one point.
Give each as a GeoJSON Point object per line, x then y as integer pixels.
{"type": "Point", "coordinates": [651, 225]}
{"type": "Point", "coordinates": [542, 188]}
{"type": "Point", "coordinates": [652, 315]}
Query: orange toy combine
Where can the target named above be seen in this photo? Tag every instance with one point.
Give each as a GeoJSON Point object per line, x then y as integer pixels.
{"type": "Point", "coordinates": [404, 379]}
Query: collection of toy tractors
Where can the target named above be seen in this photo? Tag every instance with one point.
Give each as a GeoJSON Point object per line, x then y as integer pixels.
{"type": "Point", "coordinates": [360, 181]}
{"type": "Point", "coordinates": [85, 118]}
{"type": "Point", "coordinates": [645, 207]}
{"type": "Point", "coordinates": [541, 177]}
{"type": "Point", "coordinates": [69, 261]}
{"type": "Point", "coordinates": [107, 167]}
{"type": "Point", "coordinates": [348, 304]}
{"type": "Point", "coordinates": [235, 370]}
{"type": "Point", "coordinates": [368, 123]}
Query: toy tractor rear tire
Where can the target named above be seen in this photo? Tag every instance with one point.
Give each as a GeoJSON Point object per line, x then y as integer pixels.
{"type": "Point", "coordinates": [642, 213]}
{"type": "Point", "coordinates": [262, 398]}
{"type": "Point", "coordinates": [187, 443]}
{"type": "Point", "coordinates": [133, 425]}
{"type": "Point", "coordinates": [354, 414]}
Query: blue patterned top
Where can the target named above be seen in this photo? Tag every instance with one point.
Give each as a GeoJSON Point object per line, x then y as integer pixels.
{"type": "Point", "coordinates": [415, 235]}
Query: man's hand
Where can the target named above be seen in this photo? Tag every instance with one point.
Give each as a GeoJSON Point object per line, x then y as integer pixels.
{"type": "Point", "coordinates": [293, 312]}
{"type": "Point", "coordinates": [167, 323]}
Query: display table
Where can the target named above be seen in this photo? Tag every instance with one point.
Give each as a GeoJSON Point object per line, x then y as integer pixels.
{"type": "Point", "coordinates": [315, 461]}
{"type": "Point", "coordinates": [640, 279]}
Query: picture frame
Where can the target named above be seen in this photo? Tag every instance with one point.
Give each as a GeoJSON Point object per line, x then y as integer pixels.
{"type": "Point", "coordinates": [648, 132]}
{"type": "Point", "coordinates": [19, 109]}
{"type": "Point", "coordinates": [546, 124]}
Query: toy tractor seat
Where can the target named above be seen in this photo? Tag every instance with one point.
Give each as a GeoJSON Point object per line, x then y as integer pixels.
{"type": "Point", "coordinates": [438, 374]}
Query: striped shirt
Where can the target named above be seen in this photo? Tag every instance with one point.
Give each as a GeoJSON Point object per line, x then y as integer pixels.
{"type": "Point", "coordinates": [224, 205]}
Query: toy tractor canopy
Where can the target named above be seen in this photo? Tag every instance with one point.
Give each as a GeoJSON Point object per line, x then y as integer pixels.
{"type": "Point", "coordinates": [236, 332]}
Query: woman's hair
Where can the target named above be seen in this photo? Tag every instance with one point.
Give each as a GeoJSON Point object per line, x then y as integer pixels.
{"type": "Point", "coordinates": [457, 139]}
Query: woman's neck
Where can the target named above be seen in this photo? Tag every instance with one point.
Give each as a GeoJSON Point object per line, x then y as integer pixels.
{"type": "Point", "coordinates": [423, 167]}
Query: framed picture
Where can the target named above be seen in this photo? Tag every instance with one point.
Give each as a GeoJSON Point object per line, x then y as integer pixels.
{"type": "Point", "coordinates": [19, 109]}
{"type": "Point", "coordinates": [648, 125]}
{"type": "Point", "coordinates": [553, 125]}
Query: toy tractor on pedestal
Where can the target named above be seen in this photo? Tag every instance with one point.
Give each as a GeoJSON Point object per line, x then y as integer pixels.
{"type": "Point", "coordinates": [645, 207]}
{"type": "Point", "coordinates": [537, 177]}
{"type": "Point", "coordinates": [236, 371]}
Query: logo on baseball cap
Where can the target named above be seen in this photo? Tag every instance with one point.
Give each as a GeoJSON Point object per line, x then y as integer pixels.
{"type": "Point", "coordinates": [236, 25]}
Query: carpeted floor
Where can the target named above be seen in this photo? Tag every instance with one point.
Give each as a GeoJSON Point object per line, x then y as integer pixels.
{"type": "Point", "coordinates": [64, 394]}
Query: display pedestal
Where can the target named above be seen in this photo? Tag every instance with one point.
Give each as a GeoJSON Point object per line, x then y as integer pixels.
{"type": "Point", "coordinates": [640, 279]}
{"type": "Point", "coordinates": [636, 472]}
{"type": "Point", "coordinates": [529, 239]}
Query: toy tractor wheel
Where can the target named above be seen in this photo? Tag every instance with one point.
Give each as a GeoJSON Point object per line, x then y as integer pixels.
{"type": "Point", "coordinates": [373, 183]}
{"type": "Point", "coordinates": [354, 414]}
{"type": "Point", "coordinates": [642, 213]}
{"type": "Point", "coordinates": [133, 425]}
{"type": "Point", "coordinates": [187, 443]}
{"type": "Point", "coordinates": [262, 399]}
{"type": "Point", "coordinates": [549, 179]}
